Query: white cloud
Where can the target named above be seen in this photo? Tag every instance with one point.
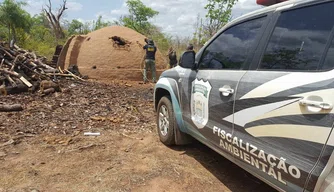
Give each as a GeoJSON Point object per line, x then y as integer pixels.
{"type": "Point", "coordinates": [35, 6]}
{"type": "Point", "coordinates": [186, 19]}
{"type": "Point", "coordinates": [243, 7]}
{"type": "Point", "coordinates": [123, 10]}
{"type": "Point", "coordinates": [246, 5]}
{"type": "Point", "coordinates": [178, 17]}
{"type": "Point", "coordinates": [119, 12]}
{"type": "Point", "coordinates": [74, 6]}
{"type": "Point", "coordinates": [106, 16]}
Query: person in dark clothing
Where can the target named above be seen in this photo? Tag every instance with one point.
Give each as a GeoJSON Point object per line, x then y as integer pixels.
{"type": "Point", "coordinates": [172, 58]}
{"type": "Point", "coordinates": [151, 49]}
{"type": "Point", "coordinates": [187, 60]}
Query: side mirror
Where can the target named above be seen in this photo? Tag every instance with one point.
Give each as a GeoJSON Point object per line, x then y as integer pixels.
{"type": "Point", "coordinates": [195, 66]}
{"type": "Point", "coordinates": [187, 60]}
{"type": "Point", "coordinates": [192, 66]}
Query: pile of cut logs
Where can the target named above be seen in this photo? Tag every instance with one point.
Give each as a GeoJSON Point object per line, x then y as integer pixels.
{"type": "Point", "coordinates": [24, 71]}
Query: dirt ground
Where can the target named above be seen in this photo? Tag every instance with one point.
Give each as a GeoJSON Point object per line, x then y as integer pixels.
{"type": "Point", "coordinates": [43, 148]}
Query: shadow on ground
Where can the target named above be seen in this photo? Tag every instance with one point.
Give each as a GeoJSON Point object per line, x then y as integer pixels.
{"type": "Point", "coordinates": [233, 177]}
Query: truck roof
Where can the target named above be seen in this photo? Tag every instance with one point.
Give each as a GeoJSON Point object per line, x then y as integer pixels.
{"type": "Point", "coordinates": [278, 6]}
{"type": "Point", "coordinates": [270, 8]}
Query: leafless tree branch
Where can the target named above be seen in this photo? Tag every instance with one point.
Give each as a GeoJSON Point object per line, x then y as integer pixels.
{"type": "Point", "coordinates": [54, 20]}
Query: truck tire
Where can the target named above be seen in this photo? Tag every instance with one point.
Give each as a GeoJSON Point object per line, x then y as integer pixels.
{"type": "Point", "coordinates": [166, 121]}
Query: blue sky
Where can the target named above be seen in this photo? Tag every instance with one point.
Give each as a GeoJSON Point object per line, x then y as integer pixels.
{"type": "Point", "coordinates": [176, 17]}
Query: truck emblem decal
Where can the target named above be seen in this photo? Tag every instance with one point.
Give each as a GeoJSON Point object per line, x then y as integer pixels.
{"type": "Point", "coordinates": [200, 102]}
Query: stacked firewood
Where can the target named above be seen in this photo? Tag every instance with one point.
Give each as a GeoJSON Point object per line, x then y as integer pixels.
{"type": "Point", "coordinates": [24, 71]}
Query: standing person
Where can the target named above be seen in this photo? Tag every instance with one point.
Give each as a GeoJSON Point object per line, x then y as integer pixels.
{"type": "Point", "coordinates": [187, 60]}
{"type": "Point", "coordinates": [172, 58]}
{"type": "Point", "coordinates": [151, 49]}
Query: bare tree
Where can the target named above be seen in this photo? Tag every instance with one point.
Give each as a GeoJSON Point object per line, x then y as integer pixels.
{"type": "Point", "coordinates": [198, 38]}
{"type": "Point", "coordinates": [54, 19]}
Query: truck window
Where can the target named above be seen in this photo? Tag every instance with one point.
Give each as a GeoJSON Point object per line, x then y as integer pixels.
{"type": "Point", "coordinates": [231, 48]}
{"type": "Point", "coordinates": [299, 39]}
{"type": "Point", "coordinates": [329, 60]}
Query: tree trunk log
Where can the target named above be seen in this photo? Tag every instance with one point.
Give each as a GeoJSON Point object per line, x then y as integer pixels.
{"type": "Point", "coordinates": [3, 90]}
{"type": "Point", "coordinates": [48, 84]}
{"type": "Point", "coordinates": [44, 66]}
{"type": "Point", "coordinates": [10, 108]}
{"type": "Point", "coordinates": [11, 81]}
{"type": "Point", "coordinates": [50, 70]}
{"type": "Point", "coordinates": [13, 73]}
{"type": "Point", "coordinates": [48, 91]}
{"type": "Point", "coordinates": [21, 88]}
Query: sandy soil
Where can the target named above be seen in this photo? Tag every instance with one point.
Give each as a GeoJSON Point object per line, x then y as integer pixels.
{"type": "Point", "coordinates": [43, 147]}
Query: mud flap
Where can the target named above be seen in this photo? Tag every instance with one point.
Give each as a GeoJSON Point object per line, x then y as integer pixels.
{"type": "Point", "coordinates": [180, 137]}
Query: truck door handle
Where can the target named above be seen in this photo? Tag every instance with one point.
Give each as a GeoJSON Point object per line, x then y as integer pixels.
{"type": "Point", "coordinates": [226, 90]}
{"type": "Point", "coordinates": [318, 104]}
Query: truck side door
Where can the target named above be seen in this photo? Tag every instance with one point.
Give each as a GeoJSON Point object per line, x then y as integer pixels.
{"type": "Point", "coordinates": [284, 105]}
{"type": "Point", "coordinates": [223, 63]}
